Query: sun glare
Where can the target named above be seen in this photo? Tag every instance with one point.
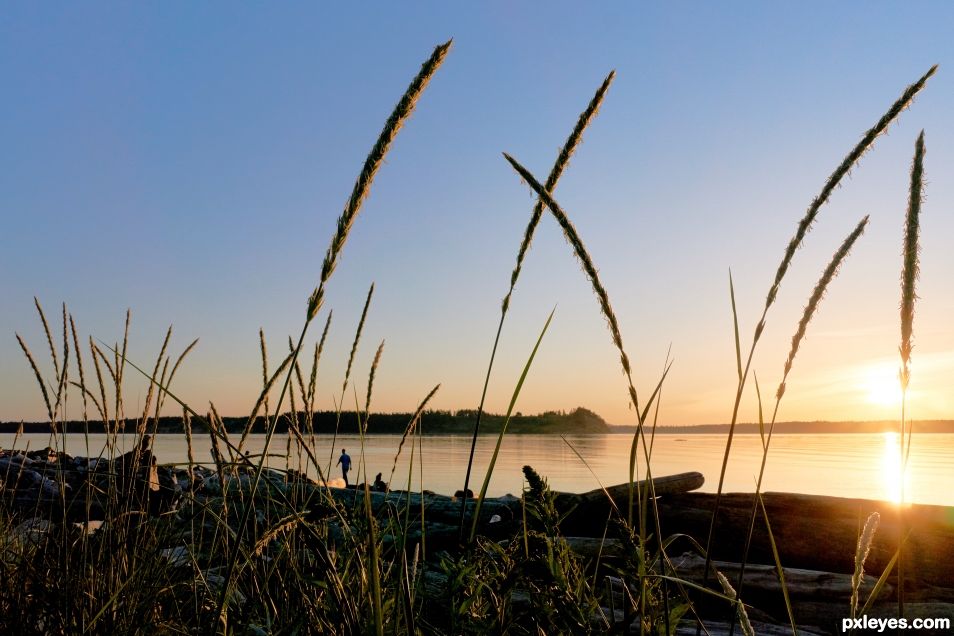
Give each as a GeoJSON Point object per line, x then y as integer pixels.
{"type": "Point", "coordinates": [881, 385]}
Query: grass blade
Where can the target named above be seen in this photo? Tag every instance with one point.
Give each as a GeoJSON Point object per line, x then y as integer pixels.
{"type": "Point", "coordinates": [503, 429]}
{"type": "Point", "coordinates": [778, 566]}
{"type": "Point", "coordinates": [563, 159]}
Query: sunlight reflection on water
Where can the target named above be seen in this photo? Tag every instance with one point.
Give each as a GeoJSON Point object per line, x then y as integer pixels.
{"type": "Point", "coordinates": [843, 465]}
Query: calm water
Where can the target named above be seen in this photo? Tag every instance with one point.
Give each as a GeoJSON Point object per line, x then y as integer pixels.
{"type": "Point", "coordinates": [855, 465]}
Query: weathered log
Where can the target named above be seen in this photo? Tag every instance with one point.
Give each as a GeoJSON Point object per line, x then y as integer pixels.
{"type": "Point", "coordinates": [763, 579]}
{"type": "Point", "coordinates": [434, 586]}
{"type": "Point", "coordinates": [662, 486]}
{"type": "Point", "coordinates": [595, 548]}
{"type": "Point", "coordinates": [587, 513]}
{"type": "Point", "coordinates": [821, 533]}
{"type": "Point", "coordinates": [585, 509]}
{"type": "Point", "coordinates": [437, 508]}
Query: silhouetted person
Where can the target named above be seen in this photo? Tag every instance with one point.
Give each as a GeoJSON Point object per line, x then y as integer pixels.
{"type": "Point", "coordinates": [345, 461]}
{"type": "Point", "coordinates": [379, 484]}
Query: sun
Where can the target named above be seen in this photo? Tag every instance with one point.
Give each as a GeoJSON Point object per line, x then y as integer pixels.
{"type": "Point", "coordinates": [881, 385]}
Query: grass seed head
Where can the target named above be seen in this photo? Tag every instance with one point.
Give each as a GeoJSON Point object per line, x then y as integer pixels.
{"type": "Point", "coordinates": [911, 266]}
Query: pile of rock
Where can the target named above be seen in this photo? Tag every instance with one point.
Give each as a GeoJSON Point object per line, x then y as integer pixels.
{"type": "Point", "coordinates": [55, 485]}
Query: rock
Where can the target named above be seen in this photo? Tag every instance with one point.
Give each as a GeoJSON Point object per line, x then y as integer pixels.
{"type": "Point", "coordinates": [32, 531]}
{"type": "Point", "coordinates": [177, 556]}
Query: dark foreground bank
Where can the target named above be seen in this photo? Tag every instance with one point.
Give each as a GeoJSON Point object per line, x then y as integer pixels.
{"type": "Point", "coordinates": [123, 542]}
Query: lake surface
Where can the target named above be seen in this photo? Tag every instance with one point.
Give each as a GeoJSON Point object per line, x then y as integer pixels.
{"type": "Point", "coordinates": [851, 465]}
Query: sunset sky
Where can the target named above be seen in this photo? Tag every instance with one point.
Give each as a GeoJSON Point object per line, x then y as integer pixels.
{"type": "Point", "coordinates": [190, 161]}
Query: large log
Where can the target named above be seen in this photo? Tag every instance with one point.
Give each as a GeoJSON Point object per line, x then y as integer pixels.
{"type": "Point", "coordinates": [763, 579]}
{"type": "Point", "coordinates": [436, 508]}
{"type": "Point", "coordinates": [587, 513]}
{"type": "Point", "coordinates": [662, 486]}
{"type": "Point", "coordinates": [584, 509]}
{"type": "Point", "coordinates": [821, 533]}
{"type": "Point", "coordinates": [434, 587]}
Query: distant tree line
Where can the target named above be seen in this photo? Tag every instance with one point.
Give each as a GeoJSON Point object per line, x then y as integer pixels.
{"type": "Point", "coordinates": [437, 422]}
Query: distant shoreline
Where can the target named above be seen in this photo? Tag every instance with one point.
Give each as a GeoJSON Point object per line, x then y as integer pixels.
{"type": "Point", "coordinates": [814, 428]}
{"type": "Point", "coordinates": [577, 422]}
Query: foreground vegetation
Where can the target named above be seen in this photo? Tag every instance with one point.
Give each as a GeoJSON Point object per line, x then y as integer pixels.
{"type": "Point", "coordinates": [233, 547]}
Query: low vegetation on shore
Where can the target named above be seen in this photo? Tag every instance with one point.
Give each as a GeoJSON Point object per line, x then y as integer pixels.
{"type": "Point", "coordinates": [118, 543]}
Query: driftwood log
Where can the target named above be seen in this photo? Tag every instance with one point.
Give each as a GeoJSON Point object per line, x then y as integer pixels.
{"type": "Point", "coordinates": [821, 533]}
{"type": "Point", "coordinates": [500, 515]}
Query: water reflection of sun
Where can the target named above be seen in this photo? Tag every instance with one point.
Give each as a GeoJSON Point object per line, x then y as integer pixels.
{"type": "Point", "coordinates": [892, 474]}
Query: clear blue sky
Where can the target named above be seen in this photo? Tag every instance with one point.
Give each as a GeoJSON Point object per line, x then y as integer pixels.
{"type": "Point", "coordinates": [189, 162]}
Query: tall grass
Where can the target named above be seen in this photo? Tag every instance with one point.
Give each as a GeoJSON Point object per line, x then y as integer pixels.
{"type": "Point", "coordinates": [562, 160]}
{"type": "Point", "coordinates": [811, 307]}
{"type": "Point", "coordinates": [375, 158]}
{"type": "Point", "coordinates": [804, 225]}
{"type": "Point", "coordinates": [256, 549]}
{"type": "Point", "coordinates": [347, 375]}
{"type": "Point", "coordinates": [646, 497]}
{"type": "Point", "coordinates": [909, 275]}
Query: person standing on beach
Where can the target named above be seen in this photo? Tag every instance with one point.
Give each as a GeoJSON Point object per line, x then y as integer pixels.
{"type": "Point", "coordinates": [345, 461]}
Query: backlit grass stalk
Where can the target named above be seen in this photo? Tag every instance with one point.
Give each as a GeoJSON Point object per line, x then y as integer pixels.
{"type": "Point", "coordinates": [363, 421]}
{"type": "Point", "coordinates": [645, 496]}
{"type": "Point", "coordinates": [563, 159]}
{"type": "Point", "coordinates": [409, 432]}
{"type": "Point", "coordinates": [96, 355]}
{"type": "Point", "coordinates": [814, 300]}
{"type": "Point", "coordinates": [49, 336]}
{"type": "Point", "coordinates": [163, 381]}
{"type": "Point", "coordinates": [141, 428]}
{"type": "Point", "coordinates": [39, 376]}
{"type": "Point", "coordinates": [861, 553]}
{"type": "Point", "coordinates": [262, 399]}
{"type": "Point", "coordinates": [372, 163]}
{"type": "Point", "coordinates": [187, 426]}
{"type": "Point", "coordinates": [373, 552]}
{"type": "Point", "coordinates": [780, 571]}
{"type": "Point", "coordinates": [120, 362]}
{"type": "Point", "coordinates": [303, 445]}
{"type": "Point", "coordinates": [371, 375]}
{"type": "Point", "coordinates": [298, 417]}
{"type": "Point", "coordinates": [263, 347]}
{"type": "Point", "coordinates": [172, 374]}
{"type": "Point", "coordinates": [739, 607]}
{"type": "Point", "coordinates": [362, 186]}
{"type": "Point", "coordinates": [909, 276]}
{"type": "Point", "coordinates": [503, 429]}
{"type": "Point", "coordinates": [420, 472]}
{"type": "Point", "coordinates": [804, 225]}
{"type": "Point", "coordinates": [347, 376]}
{"type": "Point", "coordinates": [313, 379]}
{"type": "Point", "coordinates": [357, 338]}
{"type": "Point", "coordinates": [300, 378]}
{"type": "Point", "coordinates": [293, 419]}
{"type": "Point", "coordinates": [61, 383]}
{"type": "Point", "coordinates": [911, 264]}
{"type": "Point", "coordinates": [222, 436]}
{"type": "Point", "coordinates": [883, 579]}
{"type": "Point", "coordinates": [589, 269]}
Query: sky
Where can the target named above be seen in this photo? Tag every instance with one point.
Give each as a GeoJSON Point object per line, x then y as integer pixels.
{"type": "Point", "coordinates": [188, 162]}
